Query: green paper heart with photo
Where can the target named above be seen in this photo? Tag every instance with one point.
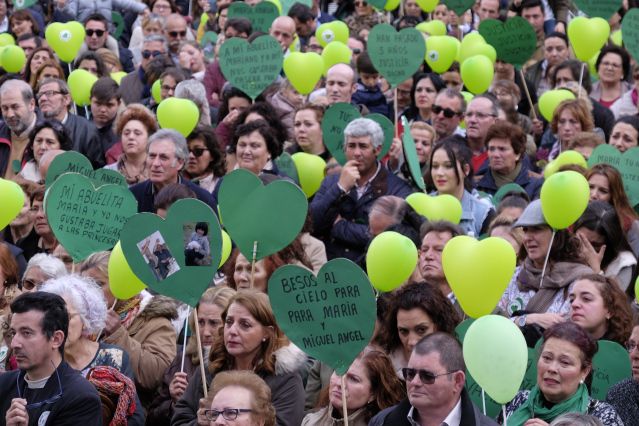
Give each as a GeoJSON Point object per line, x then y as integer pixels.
{"type": "Point", "coordinates": [627, 163]}
{"type": "Point", "coordinates": [335, 120]}
{"type": "Point", "coordinates": [162, 253]}
{"type": "Point", "coordinates": [86, 219]}
{"type": "Point", "coordinates": [396, 55]}
{"type": "Point", "coordinates": [331, 316]}
{"type": "Point", "coordinates": [74, 162]}
{"type": "Point", "coordinates": [514, 40]}
{"type": "Point", "coordinates": [251, 67]}
{"type": "Point", "coordinates": [261, 15]}
{"type": "Point", "coordinates": [270, 215]}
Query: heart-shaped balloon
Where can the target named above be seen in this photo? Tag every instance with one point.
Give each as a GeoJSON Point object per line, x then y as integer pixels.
{"type": "Point", "coordinates": [80, 84]}
{"type": "Point", "coordinates": [335, 120]}
{"type": "Point", "coordinates": [391, 258]}
{"type": "Point", "coordinates": [440, 207]}
{"type": "Point", "coordinates": [310, 169]}
{"type": "Point", "coordinates": [330, 317]}
{"type": "Point", "coordinates": [156, 91]}
{"type": "Point", "coordinates": [441, 52]}
{"type": "Point", "coordinates": [261, 15]}
{"type": "Point", "coordinates": [74, 162]}
{"type": "Point", "coordinates": [335, 52]}
{"type": "Point", "coordinates": [477, 73]}
{"type": "Point", "coordinates": [601, 8]}
{"type": "Point", "coordinates": [156, 250]}
{"type": "Point", "coordinates": [630, 32]}
{"type": "Point", "coordinates": [303, 70]}
{"type": "Point", "coordinates": [270, 215]}
{"type": "Point", "coordinates": [550, 100]}
{"type": "Point", "coordinates": [332, 31]}
{"type": "Point", "coordinates": [474, 44]}
{"type": "Point", "coordinates": [391, 5]}
{"type": "Point", "coordinates": [588, 36]}
{"type": "Point", "coordinates": [65, 39]}
{"type": "Point", "coordinates": [396, 55]}
{"type": "Point", "coordinates": [514, 40]}
{"type": "Point", "coordinates": [428, 5]}
{"type": "Point", "coordinates": [459, 6]}
{"type": "Point", "coordinates": [251, 67]}
{"type": "Point", "coordinates": [12, 200]}
{"type": "Point", "coordinates": [478, 272]}
{"type": "Point", "coordinates": [12, 58]}
{"type": "Point", "coordinates": [178, 114]}
{"type": "Point", "coordinates": [85, 219]}
{"type": "Point", "coordinates": [432, 28]}
{"type": "Point", "coordinates": [626, 162]}
{"type": "Point", "coordinates": [564, 198]}
{"type": "Point", "coordinates": [565, 158]}
{"type": "Point", "coordinates": [122, 281]}
{"type": "Point", "coordinates": [118, 76]}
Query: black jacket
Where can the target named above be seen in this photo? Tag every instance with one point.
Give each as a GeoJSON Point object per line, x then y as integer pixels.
{"type": "Point", "coordinates": [83, 134]}
{"type": "Point", "coordinates": [144, 193]}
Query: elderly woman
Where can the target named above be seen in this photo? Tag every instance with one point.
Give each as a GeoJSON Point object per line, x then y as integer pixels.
{"type": "Point", "coordinates": [507, 161]}
{"type": "Point", "coordinates": [565, 362]}
{"type": "Point", "coordinates": [509, 95]}
{"type": "Point", "coordinates": [41, 267]}
{"type": "Point", "coordinates": [194, 90]}
{"type": "Point", "coordinates": [256, 147]}
{"type": "Point", "coordinates": [624, 396]}
{"type": "Point", "coordinates": [9, 290]}
{"type": "Point", "coordinates": [46, 135]}
{"type": "Point", "coordinates": [134, 125]}
{"type": "Point", "coordinates": [613, 67]}
{"type": "Point", "coordinates": [206, 161]}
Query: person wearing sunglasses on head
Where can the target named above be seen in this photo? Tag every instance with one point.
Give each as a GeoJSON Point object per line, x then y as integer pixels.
{"type": "Point", "coordinates": [44, 390]}
{"type": "Point", "coordinates": [435, 379]}
{"type": "Point", "coordinates": [96, 29]}
{"type": "Point", "coordinates": [134, 86]}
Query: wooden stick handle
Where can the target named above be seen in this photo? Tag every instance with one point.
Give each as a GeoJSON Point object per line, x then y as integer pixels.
{"type": "Point", "coordinates": [199, 354]}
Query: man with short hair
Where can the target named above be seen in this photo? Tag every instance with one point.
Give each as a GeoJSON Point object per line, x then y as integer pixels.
{"type": "Point", "coordinates": [435, 379]}
{"type": "Point", "coordinates": [166, 155]}
{"type": "Point", "coordinates": [448, 110]}
{"type": "Point", "coordinates": [341, 206]}
{"type": "Point", "coordinates": [176, 31]}
{"type": "Point", "coordinates": [488, 9]}
{"type": "Point", "coordinates": [45, 390]}
{"type": "Point", "coordinates": [341, 83]}
{"type": "Point", "coordinates": [29, 43]}
{"type": "Point", "coordinates": [105, 101]}
{"type": "Point", "coordinates": [96, 28]}
{"type": "Point", "coordinates": [556, 50]}
{"type": "Point", "coordinates": [134, 86]}
{"type": "Point", "coordinates": [481, 113]}
{"type": "Point", "coordinates": [283, 30]}
{"type": "Point", "coordinates": [305, 23]}
{"type": "Point", "coordinates": [18, 113]}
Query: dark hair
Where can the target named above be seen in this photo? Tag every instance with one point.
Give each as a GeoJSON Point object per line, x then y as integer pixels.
{"type": "Point", "coordinates": [631, 120]}
{"type": "Point", "coordinates": [572, 333]}
{"type": "Point", "coordinates": [105, 89]}
{"type": "Point", "coordinates": [412, 112]}
{"type": "Point", "coordinates": [36, 195]}
{"type": "Point", "coordinates": [574, 66]}
{"type": "Point", "coordinates": [422, 296]}
{"type": "Point", "coordinates": [228, 93]}
{"type": "Point", "coordinates": [27, 67]}
{"type": "Point", "coordinates": [269, 114]}
{"type": "Point", "coordinates": [273, 146]}
{"type": "Point", "coordinates": [92, 56]}
{"type": "Point", "coordinates": [301, 12]}
{"type": "Point", "coordinates": [457, 152]}
{"type": "Point", "coordinates": [513, 133]}
{"type": "Point", "coordinates": [57, 128]}
{"type": "Point", "coordinates": [98, 17]}
{"type": "Point", "coordinates": [207, 135]}
{"type": "Point", "coordinates": [241, 25]}
{"type": "Point", "coordinates": [365, 65]}
{"type": "Point", "coordinates": [203, 226]}
{"type": "Point", "coordinates": [440, 226]}
{"type": "Point", "coordinates": [618, 196]}
{"type": "Point", "coordinates": [175, 73]}
{"type": "Point", "coordinates": [557, 34]}
{"type": "Point", "coordinates": [24, 15]}
{"type": "Point", "coordinates": [529, 4]}
{"type": "Point", "coordinates": [407, 22]}
{"type": "Point", "coordinates": [616, 50]}
{"type": "Point", "coordinates": [56, 316]}
{"type": "Point", "coordinates": [172, 5]}
{"type": "Point", "coordinates": [29, 36]}
{"type": "Point", "coordinates": [448, 348]}
{"type": "Point", "coordinates": [518, 200]}
{"type": "Point", "coordinates": [170, 194]}
{"type": "Point", "coordinates": [601, 217]}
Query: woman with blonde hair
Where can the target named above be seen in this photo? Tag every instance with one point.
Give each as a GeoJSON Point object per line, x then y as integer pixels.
{"type": "Point", "coordinates": [570, 117]}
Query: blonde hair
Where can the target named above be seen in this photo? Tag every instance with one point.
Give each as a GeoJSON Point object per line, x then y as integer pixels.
{"type": "Point", "coordinates": [585, 140]}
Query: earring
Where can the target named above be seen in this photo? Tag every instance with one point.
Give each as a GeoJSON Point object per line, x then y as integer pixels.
{"type": "Point", "coordinates": [264, 339]}
{"type": "Point", "coordinates": [581, 381]}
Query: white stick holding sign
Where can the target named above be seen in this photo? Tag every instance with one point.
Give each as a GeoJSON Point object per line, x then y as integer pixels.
{"type": "Point", "coordinates": [186, 333]}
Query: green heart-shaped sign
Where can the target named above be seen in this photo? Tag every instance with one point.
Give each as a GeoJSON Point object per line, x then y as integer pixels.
{"type": "Point", "coordinates": [609, 366]}
{"type": "Point", "coordinates": [601, 8]}
{"type": "Point", "coordinates": [286, 5]}
{"type": "Point", "coordinates": [630, 32]}
{"type": "Point", "coordinates": [270, 215]}
{"type": "Point", "coordinates": [251, 67]}
{"type": "Point", "coordinates": [410, 154]}
{"type": "Point", "coordinates": [261, 15]}
{"type": "Point", "coordinates": [65, 39]}
{"type": "Point", "coordinates": [286, 166]}
{"type": "Point", "coordinates": [85, 219]}
{"type": "Point", "coordinates": [514, 40]}
{"type": "Point", "coordinates": [459, 6]}
{"type": "Point", "coordinates": [74, 162]}
{"type": "Point", "coordinates": [379, 4]}
{"type": "Point", "coordinates": [118, 22]}
{"type": "Point", "coordinates": [335, 120]}
{"type": "Point", "coordinates": [330, 317]}
{"type": "Point", "coordinates": [396, 55]}
{"type": "Point", "coordinates": [627, 164]}
{"type": "Point", "coordinates": [207, 43]}
{"type": "Point", "coordinates": [156, 250]}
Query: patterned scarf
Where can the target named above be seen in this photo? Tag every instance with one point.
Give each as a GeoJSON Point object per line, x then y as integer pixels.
{"type": "Point", "coordinates": [111, 383]}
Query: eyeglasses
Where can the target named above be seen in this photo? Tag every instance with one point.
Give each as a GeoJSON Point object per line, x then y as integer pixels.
{"type": "Point", "coordinates": [48, 94]}
{"type": "Point", "coordinates": [426, 377]}
{"type": "Point", "coordinates": [479, 115]}
{"type": "Point", "coordinates": [98, 33]}
{"type": "Point", "coordinates": [46, 401]}
{"type": "Point", "coordinates": [197, 152]}
{"type": "Point", "coordinates": [227, 413]}
{"type": "Point", "coordinates": [174, 34]}
{"type": "Point", "coordinates": [631, 346]}
{"type": "Point", "coordinates": [29, 284]}
{"type": "Point", "coordinates": [448, 113]}
{"type": "Point", "coordinates": [146, 54]}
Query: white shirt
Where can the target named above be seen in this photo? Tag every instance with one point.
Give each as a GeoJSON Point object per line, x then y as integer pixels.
{"type": "Point", "coordinates": [452, 419]}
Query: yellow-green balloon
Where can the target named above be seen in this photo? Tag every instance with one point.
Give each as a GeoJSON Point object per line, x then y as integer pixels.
{"type": "Point", "coordinates": [156, 91]}
{"type": "Point", "coordinates": [433, 28]}
{"type": "Point", "coordinates": [6, 39]}
{"type": "Point", "coordinates": [564, 198]}
{"type": "Point", "coordinates": [332, 31]}
{"type": "Point", "coordinates": [65, 39]}
{"type": "Point", "coordinates": [587, 36]}
{"type": "Point", "coordinates": [565, 158]}
{"type": "Point", "coordinates": [550, 100]}
{"type": "Point", "coordinates": [118, 76]}
{"type": "Point", "coordinates": [124, 284]}
{"type": "Point", "coordinates": [80, 84]}
{"type": "Point", "coordinates": [11, 200]}
{"type": "Point", "coordinates": [474, 44]}
{"type": "Point", "coordinates": [13, 58]}
{"type": "Point", "coordinates": [496, 355]}
{"type": "Point", "coordinates": [477, 73]}
{"type": "Point", "coordinates": [391, 5]}
{"type": "Point", "coordinates": [441, 207]}
{"type": "Point", "coordinates": [227, 246]}
{"type": "Point", "coordinates": [310, 170]}
{"type": "Point", "coordinates": [178, 114]}
{"type": "Point", "coordinates": [390, 260]}
{"type": "Point", "coordinates": [303, 70]}
{"type": "Point", "coordinates": [336, 52]}
{"type": "Point", "coordinates": [441, 52]}
{"type": "Point", "coordinates": [427, 5]}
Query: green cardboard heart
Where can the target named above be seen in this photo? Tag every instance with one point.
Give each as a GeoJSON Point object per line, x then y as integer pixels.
{"type": "Point", "coordinates": [85, 219]}
{"type": "Point", "coordinates": [630, 32]}
{"type": "Point", "coordinates": [379, 4]}
{"type": "Point", "coordinates": [609, 366]}
{"type": "Point", "coordinates": [74, 162]}
{"type": "Point", "coordinates": [335, 120]}
{"type": "Point", "coordinates": [627, 164]}
{"type": "Point", "coordinates": [270, 215]}
{"type": "Point", "coordinates": [410, 154]}
{"type": "Point", "coordinates": [514, 40]}
{"type": "Point", "coordinates": [251, 67]}
{"type": "Point", "coordinates": [23, 4]}
{"type": "Point", "coordinates": [261, 15]}
{"type": "Point", "coordinates": [286, 165]}
{"type": "Point", "coordinates": [331, 317]}
{"type": "Point", "coordinates": [396, 55]}
{"type": "Point", "coordinates": [459, 6]}
{"type": "Point", "coordinates": [118, 22]}
{"type": "Point", "coordinates": [601, 8]}
{"type": "Point", "coordinates": [144, 230]}
{"type": "Point", "coordinates": [207, 43]}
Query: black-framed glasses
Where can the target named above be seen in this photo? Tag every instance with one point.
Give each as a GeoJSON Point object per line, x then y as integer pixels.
{"type": "Point", "coordinates": [631, 346]}
{"type": "Point", "coordinates": [174, 34]}
{"type": "Point", "coordinates": [227, 413]}
{"type": "Point", "coordinates": [426, 377]}
{"type": "Point", "coordinates": [146, 54]}
{"type": "Point", "coordinates": [49, 94]}
{"type": "Point", "coordinates": [448, 113]}
{"type": "Point", "coordinates": [46, 401]}
{"type": "Point", "coordinates": [99, 33]}
{"type": "Point", "coordinates": [197, 152]}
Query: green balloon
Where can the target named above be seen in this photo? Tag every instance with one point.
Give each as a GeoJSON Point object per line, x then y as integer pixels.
{"type": "Point", "coordinates": [80, 83]}
{"type": "Point", "coordinates": [303, 70]}
{"type": "Point", "coordinates": [564, 198]}
{"type": "Point", "coordinates": [477, 73]}
{"type": "Point", "coordinates": [156, 91]}
{"type": "Point", "coordinates": [391, 258]}
{"type": "Point", "coordinates": [6, 39]}
{"type": "Point", "coordinates": [13, 58]}
{"type": "Point", "coordinates": [334, 53]}
{"type": "Point", "coordinates": [178, 114]}
{"type": "Point", "coordinates": [65, 39]}
{"type": "Point", "coordinates": [12, 200]}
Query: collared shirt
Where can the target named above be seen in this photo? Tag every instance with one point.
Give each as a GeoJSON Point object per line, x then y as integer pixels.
{"type": "Point", "coordinates": [361, 190]}
{"type": "Point", "coordinates": [452, 419]}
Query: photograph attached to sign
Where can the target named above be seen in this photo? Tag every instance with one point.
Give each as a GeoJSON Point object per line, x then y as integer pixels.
{"type": "Point", "coordinates": [197, 251]}
{"type": "Point", "coordinates": [158, 256]}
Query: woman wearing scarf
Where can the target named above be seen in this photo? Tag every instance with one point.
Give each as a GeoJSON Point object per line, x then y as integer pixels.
{"type": "Point", "coordinates": [564, 365]}
{"type": "Point", "coordinates": [532, 304]}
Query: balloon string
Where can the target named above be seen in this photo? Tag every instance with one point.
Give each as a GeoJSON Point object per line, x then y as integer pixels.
{"type": "Point", "coordinates": [199, 354]}
{"type": "Point", "coordinates": [253, 262]}
{"type": "Point", "coordinates": [543, 271]}
{"type": "Point", "coordinates": [186, 332]}
{"type": "Point", "coordinates": [483, 400]}
{"type": "Point", "coordinates": [75, 108]}
{"type": "Point", "coordinates": [581, 79]}
{"type": "Point", "coordinates": [530, 102]}
{"type": "Point", "coordinates": [344, 409]}
{"type": "Point", "coordinates": [112, 308]}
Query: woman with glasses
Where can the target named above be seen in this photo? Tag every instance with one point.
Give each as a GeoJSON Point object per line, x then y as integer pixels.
{"type": "Point", "coordinates": [47, 135]}
{"type": "Point", "coordinates": [613, 67]}
{"type": "Point", "coordinates": [134, 125]}
{"type": "Point", "coordinates": [422, 97]}
{"type": "Point", "coordinates": [563, 368]}
{"type": "Point", "coordinates": [624, 396]}
{"type": "Point", "coordinates": [205, 165]}
{"type": "Point", "coordinates": [41, 267]}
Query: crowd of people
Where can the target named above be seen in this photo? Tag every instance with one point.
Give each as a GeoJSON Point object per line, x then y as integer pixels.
{"type": "Point", "coordinates": [73, 353]}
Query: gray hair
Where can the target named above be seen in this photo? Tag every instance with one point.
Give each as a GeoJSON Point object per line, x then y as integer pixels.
{"type": "Point", "coordinates": [194, 90]}
{"type": "Point", "coordinates": [156, 37]}
{"type": "Point", "coordinates": [494, 103]}
{"type": "Point", "coordinates": [62, 85]}
{"type": "Point", "coordinates": [361, 127]}
{"type": "Point", "coordinates": [454, 94]}
{"type": "Point", "coordinates": [179, 142]}
{"type": "Point", "coordinates": [448, 348]}
{"type": "Point", "coordinates": [22, 86]}
{"type": "Point", "coordinates": [576, 419]}
{"type": "Point", "coordinates": [51, 267]}
{"type": "Point", "coordinates": [390, 206]}
{"type": "Point", "coordinates": [87, 298]}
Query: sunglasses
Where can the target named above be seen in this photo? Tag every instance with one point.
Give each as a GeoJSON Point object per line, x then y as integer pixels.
{"type": "Point", "coordinates": [46, 401]}
{"type": "Point", "coordinates": [426, 377]}
{"type": "Point", "coordinates": [448, 113]}
{"type": "Point", "coordinates": [99, 33]}
{"type": "Point", "coordinates": [176, 33]}
{"type": "Point", "coordinates": [197, 152]}
{"type": "Point", "coordinates": [146, 54]}
{"type": "Point", "coordinates": [361, 3]}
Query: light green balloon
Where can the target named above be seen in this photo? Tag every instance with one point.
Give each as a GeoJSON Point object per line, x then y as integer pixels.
{"type": "Point", "coordinates": [80, 83]}
{"type": "Point", "coordinates": [65, 39]}
{"type": "Point", "coordinates": [391, 258]}
{"type": "Point", "coordinates": [564, 198]}
{"type": "Point", "coordinates": [178, 114]}
{"type": "Point", "coordinates": [496, 355]}
{"type": "Point", "coordinates": [156, 91]}
{"type": "Point", "coordinates": [6, 39]}
{"type": "Point", "coordinates": [335, 52]}
{"type": "Point", "coordinates": [303, 70]}
{"type": "Point", "coordinates": [13, 58]}
{"type": "Point", "coordinates": [477, 73]}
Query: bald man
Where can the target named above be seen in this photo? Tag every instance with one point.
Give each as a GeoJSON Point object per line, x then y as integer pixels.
{"type": "Point", "coordinates": [283, 29]}
{"type": "Point", "coordinates": [46, 160]}
{"type": "Point", "coordinates": [341, 83]}
{"type": "Point", "coordinates": [176, 32]}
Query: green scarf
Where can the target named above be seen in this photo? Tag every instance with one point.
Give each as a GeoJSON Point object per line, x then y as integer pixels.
{"type": "Point", "coordinates": [534, 407]}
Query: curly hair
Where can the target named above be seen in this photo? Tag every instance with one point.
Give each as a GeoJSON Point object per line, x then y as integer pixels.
{"type": "Point", "coordinates": [136, 112]}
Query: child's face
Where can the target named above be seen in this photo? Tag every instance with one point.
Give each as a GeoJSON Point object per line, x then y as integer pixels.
{"type": "Point", "coordinates": [200, 232]}
{"type": "Point", "coordinates": [369, 80]}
